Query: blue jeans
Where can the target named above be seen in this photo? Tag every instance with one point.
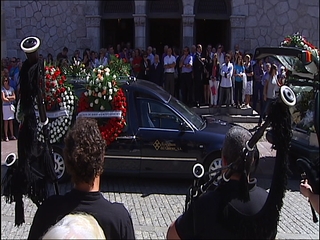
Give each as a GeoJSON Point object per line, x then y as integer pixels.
{"type": "Point", "coordinates": [258, 94]}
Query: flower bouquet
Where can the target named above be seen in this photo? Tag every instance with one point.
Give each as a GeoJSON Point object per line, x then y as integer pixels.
{"type": "Point", "coordinates": [75, 70]}
{"type": "Point", "coordinates": [104, 99]}
{"type": "Point", "coordinates": [60, 104]}
{"type": "Point", "coordinates": [298, 41]}
{"type": "Point", "coordinates": [303, 111]}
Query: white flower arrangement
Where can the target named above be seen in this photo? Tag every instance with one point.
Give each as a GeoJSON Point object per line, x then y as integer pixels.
{"type": "Point", "coordinates": [298, 41]}
{"type": "Point", "coordinates": [100, 89]}
{"type": "Point", "coordinates": [60, 105]}
{"type": "Point", "coordinates": [76, 69]}
{"type": "Point", "coordinates": [59, 121]}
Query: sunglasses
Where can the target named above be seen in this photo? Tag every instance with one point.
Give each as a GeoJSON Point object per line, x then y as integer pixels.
{"type": "Point", "coordinates": [13, 61]}
{"type": "Point", "coordinates": [5, 81]}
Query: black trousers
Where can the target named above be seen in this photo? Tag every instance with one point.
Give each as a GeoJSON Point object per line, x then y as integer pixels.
{"type": "Point", "coordinates": [186, 87]}
{"type": "Point", "coordinates": [198, 88]}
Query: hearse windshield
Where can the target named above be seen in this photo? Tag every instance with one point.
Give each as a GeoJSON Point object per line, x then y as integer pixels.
{"type": "Point", "coordinates": [193, 117]}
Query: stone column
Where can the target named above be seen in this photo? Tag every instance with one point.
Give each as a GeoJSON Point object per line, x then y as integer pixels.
{"type": "Point", "coordinates": [3, 33]}
{"type": "Point", "coordinates": [187, 30]}
{"type": "Point", "coordinates": [92, 40]}
{"type": "Point", "coordinates": [140, 30]}
{"type": "Point", "coordinates": [237, 24]}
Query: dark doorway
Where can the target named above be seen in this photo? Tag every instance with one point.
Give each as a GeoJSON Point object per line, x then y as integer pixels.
{"type": "Point", "coordinates": [164, 32]}
{"type": "Point", "coordinates": [117, 31]}
{"type": "Point", "coordinates": [212, 32]}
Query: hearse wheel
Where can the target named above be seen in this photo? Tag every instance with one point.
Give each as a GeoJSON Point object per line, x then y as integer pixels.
{"type": "Point", "coordinates": [213, 162]}
{"type": "Point", "coordinates": [59, 164]}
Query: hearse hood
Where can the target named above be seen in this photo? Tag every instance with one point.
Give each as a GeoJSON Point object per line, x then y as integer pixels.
{"type": "Point", "coordinates": [216, 125]}
{"type": "Point", "coordinates": [300, 63]}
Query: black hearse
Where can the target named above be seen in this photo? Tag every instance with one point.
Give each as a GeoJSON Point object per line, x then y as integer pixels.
{"type": "Point", "coordinates": [303, 78]}
{"type": "Point", "coordinates": [163, 137]}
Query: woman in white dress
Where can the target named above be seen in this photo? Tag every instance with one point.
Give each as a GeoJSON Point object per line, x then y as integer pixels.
{"type": "Point", "coordinates": [249, 74]}
{"type": "Point", "coordinates": [8, 98]}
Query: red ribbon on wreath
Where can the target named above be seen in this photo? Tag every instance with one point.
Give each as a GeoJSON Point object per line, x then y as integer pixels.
{"type": "Point", "coordinates": [111, 130]}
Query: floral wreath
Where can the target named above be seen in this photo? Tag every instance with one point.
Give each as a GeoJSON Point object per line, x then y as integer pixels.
{"type": "Point", "coordinates": [302, 115]}
{"type": "Point", "coordinates": [60, 104]}
{"type": "Point", "coordinates": [104, 94]}
{"type": "Point", "coordinates": [298, 41]}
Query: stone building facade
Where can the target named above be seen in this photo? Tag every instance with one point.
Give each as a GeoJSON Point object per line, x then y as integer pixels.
{"type": "Point", "coordinates": [82, 24]}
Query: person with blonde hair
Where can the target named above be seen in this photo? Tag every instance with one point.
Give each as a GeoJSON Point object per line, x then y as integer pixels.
{"type": "Point", "coordinates": [76, 226]}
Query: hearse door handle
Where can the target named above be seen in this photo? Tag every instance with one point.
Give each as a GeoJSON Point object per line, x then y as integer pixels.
{"type": "Point", "coordinates": [127, 137]}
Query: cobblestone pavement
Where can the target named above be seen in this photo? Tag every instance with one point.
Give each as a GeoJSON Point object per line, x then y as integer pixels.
{"type": "Point", "coordinates": [155, 203]}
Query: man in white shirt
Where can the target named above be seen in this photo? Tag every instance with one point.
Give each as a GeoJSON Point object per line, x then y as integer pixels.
{"type": "Point", "coordinates": [169, 64]}
{"type": "Point", "coordinates": [220, 55]}
{"type": "Point", "coordinates": [150, 55]}
{"type": "Point", "coordinates": [226, 82]}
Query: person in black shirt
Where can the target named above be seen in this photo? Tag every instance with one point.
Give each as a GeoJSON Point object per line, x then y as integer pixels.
{"type": "Point", "coordinates": [144, 68]}
{"type": "Point", "coordinates": [208, 216]}
{"type": "Point", "coordinates": [84, 157]}
{"type": "Point", "coordinates": [62, 57]}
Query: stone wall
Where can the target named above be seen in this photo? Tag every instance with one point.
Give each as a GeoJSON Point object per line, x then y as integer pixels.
{"type": "Point", "coordinates": [56, 23]}
{"type": "Point", "coordinates": [76, 24]}
{"type": "Point", "coordinates": [267, 22]}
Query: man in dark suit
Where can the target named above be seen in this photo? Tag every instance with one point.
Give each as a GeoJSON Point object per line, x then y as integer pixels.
{"type": "Point", "coordinates": [156, 71]}
{"type": "Point", "coordinates": [177, 74]}
{"type": "Point", "coordinates": [198, 70]}
{"type": "Point", "coordinates": [144, 68]}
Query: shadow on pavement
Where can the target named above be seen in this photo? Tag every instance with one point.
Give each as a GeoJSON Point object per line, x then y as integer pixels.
{"type": "Point", "coordinates": [143, 186]}
{"type": "Point", "coordinates": [149, 186]}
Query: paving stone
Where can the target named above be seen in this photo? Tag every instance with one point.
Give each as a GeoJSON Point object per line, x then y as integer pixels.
{"type": "Point", "coordinates": [155, 203]}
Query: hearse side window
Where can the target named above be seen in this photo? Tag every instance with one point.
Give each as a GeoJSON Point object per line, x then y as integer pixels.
{"type": "Point", "coordinates": [156, 115]}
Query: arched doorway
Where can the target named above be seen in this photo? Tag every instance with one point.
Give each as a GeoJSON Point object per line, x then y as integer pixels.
{"type": "Point", "coordinates": [212, 22]}
{"type": "Point", "coordinates": [117, 25]}
{"type": "Point", "coordinates": [164, 24]}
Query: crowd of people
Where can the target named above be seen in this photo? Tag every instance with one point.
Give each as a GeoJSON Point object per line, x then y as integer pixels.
{"type": "Point", "coordinates": [214, 78]}
{"type": "Point", "coordinates": [196, 76]}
